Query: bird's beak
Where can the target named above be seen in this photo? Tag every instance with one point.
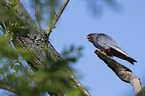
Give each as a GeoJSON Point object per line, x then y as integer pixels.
{"type": "Point", "coordinates": [88, 37]}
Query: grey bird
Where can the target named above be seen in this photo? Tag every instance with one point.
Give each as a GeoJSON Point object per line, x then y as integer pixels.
{"type": "Point", "coordinates": [106, 44]}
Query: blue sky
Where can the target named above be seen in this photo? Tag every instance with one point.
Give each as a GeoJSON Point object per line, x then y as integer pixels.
{"type": "Point", "coordinates": [126, 27]}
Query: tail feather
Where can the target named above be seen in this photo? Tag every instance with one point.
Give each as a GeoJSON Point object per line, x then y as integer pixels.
{"type": "Point", "coordinates": [131, 60]}
{"type": "Point", "coordinates": [123, 56]}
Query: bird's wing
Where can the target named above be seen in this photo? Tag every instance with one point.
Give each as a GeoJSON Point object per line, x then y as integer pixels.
{"type": "Point", "coordinates": [107, 42]}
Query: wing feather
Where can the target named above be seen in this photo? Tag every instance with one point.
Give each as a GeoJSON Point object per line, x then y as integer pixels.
{"type": "Point", "coordinates": [107, 42]}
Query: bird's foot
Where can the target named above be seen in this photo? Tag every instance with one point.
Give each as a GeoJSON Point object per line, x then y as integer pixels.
{"type": "Point", "coordinates": [103, 52]}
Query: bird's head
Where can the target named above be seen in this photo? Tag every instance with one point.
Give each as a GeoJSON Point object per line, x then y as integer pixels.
{"type": "Point", "coordinates": [91, 37]}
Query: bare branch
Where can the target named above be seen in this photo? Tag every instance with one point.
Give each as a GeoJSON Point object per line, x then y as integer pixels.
{"type": "Point", "coordinates": [36, 14]}
{"type": "Point", "coordinates": [49, 29]}
{"type": "Point", "coordinates": [124, 73]}
{"type": "Point", "coordinates": [141, 93]}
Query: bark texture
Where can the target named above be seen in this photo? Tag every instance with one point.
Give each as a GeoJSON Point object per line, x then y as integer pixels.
{"type": "Point", "coordinates": [35, 42]}
{"type": "Point", "coordinates": [124, 73]}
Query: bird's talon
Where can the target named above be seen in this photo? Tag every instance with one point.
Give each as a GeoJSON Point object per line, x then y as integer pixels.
{"type": "Point", "coordinates": [102, 52]}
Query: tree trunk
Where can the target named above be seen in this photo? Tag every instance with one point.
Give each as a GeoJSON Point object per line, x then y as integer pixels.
{"type": "Point", "coordinates": [34, 41]}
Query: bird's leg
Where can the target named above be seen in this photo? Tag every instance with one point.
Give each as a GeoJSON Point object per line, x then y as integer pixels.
{"type": "Point", "coordinates": [103, 52]}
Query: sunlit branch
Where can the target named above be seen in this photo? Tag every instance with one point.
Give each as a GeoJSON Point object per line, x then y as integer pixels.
{"type": "Point", "coordinates": [124, 73]}
{"type": "Point", "coordinates": [49, 29]}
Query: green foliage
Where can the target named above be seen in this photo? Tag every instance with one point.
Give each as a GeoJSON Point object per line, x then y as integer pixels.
{"type": "Point", "coordinates": [46, 9]}
{"type": "Point", "coordinates": [75, 92]}
{"type": "Point", "coordinates": [72, 54]}
{"type": "Point", "coordinates": [51, 18]}
{"type": "Point", "coordinates": [7, 15]}
{"type": "Point", "coordinates": [10, 19]}
{"type": "Point", "coordinates": [15, 71]}
{"type": "Point", "coordinates": [25, 82]}
{"type": "Point", "coordinates": [13, 3]}
{"type": "Point", "coordinates": [6, 50]}
{"type": "Point", "coordinates": [3, 15]}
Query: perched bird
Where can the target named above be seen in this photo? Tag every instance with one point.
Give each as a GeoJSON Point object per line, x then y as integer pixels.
{"type": "Point", "coordinates": [106, 44]}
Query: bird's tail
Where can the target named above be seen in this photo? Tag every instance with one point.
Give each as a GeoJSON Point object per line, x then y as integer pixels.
{"type": "Point", "coordinates": [131, 60]}
{"type": "Point", "coordinates": [123, 55]}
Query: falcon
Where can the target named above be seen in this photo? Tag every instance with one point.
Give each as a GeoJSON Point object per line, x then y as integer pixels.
{"type": "Point", "coordinates": [107, 45]}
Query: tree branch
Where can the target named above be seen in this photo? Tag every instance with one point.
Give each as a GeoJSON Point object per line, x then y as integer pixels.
{"type": "Point", "coordinates": [124, 73]}
{"type": "Point", "coordinates": [6, 86]}
{"type": "Point", "coordinates": [36, 14]}
{"type": "Point", "coordinates": [33, 39]}
{"type": "Point", "coordinates": [141, 93]}
{"type": "Point", "coordinates": [49, 29]}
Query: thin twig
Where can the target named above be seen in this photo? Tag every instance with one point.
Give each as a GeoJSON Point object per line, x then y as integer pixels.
{"type": "Point", "coordinates": [4, 27]}
{"type": "Point", "coordinates": [49, 29]}
{"type": "Point", "coordinates": [22, 66]}
{"type": "Point", "coordinates": [36, 14]}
